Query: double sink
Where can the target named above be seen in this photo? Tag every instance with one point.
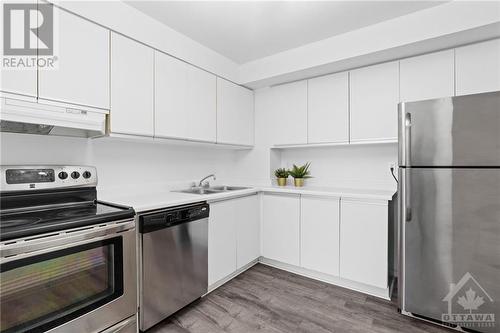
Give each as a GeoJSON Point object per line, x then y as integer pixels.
{"type": "Point", "coordinates": [212, 189]}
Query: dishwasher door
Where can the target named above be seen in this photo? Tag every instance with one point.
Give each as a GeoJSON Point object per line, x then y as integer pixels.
{"type": "Point", "coordinates": [174, 268]}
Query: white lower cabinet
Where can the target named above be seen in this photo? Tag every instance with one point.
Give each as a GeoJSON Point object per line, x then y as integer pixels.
{"type": "Point", "coordinates": [364, 242]}
{"type": "Point", "coordinates": [280, 228]}
{"type": "Point", "coordinates": [221, 241]}
{"type": "Point", "coordinates": [233, 236]}
{"type": "Point", "coordinates": [247, 214]}
{"type": "Point", "coordinates": [319, 234]}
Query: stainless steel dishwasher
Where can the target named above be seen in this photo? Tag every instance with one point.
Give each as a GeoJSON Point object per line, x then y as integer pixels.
{"type": "Point", "coordinates": [174, 260]}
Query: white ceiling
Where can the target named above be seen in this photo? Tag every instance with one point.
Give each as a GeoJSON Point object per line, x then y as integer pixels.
{"type": "Point", "coordinates": [247, 30]}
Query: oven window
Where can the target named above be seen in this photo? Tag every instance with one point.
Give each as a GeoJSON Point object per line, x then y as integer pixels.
{"type": "Point", "coordinates": [45, 291]}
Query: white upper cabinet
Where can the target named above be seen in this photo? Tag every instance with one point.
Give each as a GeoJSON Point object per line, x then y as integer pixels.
{"type": "Point", "coordinates": [20, 82]}
{"type": "Point", "coordinates": [247, 215]}
{"type": "Point", "coordinates": [221, 241]}
{"type": "Point", "coordinates": [281, 228]}
{"type": "Point", "coordinates": [185, 100]}
{"type": "Point", "coordinates": [16, 81]}
{"type": "Point", "coordinates": [286, 112]}
{"type": "Point", "coordinates": [428, 76]}
{"type": "Point", "coordinates": [235, 114]}
{"type": "Point", "coordinates": [374, 98]}
{"type": "Point", "coordinates": [364, 242]}
{"type": "Point", "coordinates": [132, 69]}
{"type": "Point", "coordinates": [82, 76]}
{"type": "Point", "coordinates": [478, 68]}
{"type": "Point", "coordinates": [319, 234]}
{"type": "Point", "coordinates": [328, 109]}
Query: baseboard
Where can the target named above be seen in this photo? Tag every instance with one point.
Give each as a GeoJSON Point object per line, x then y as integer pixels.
{"type": "Point", "coordinates": [231, 276]}
{"type": "Point", "coordinates": [356, 286]}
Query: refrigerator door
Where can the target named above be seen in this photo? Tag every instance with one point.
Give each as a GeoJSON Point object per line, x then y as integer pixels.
{"type": "Point", "coordinates": [452, 236]}
{"type": "Point", "coordinates": [452, 131]}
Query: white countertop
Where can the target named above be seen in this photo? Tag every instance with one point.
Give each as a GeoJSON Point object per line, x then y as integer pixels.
{"type": "Point", "coordinates": [332, 192]}
{"type": "Point", "coordinates": [162, 198]}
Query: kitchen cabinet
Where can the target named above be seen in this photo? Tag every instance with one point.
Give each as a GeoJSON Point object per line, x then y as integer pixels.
{"type": "Point", "coordinates": [21, 82]}
{"type": "Point", "coordinates": [319, 234]}
{"type": "Point", "coordinates": [185, 101]}
{"type": "Point", "coordinates": [477, 68]}
{"type": "Point", "coordinates": [132, 70]}
{"type": "Point", "coordinates": [247, 217]}
{"type": "Point", "coordinates": [374, 98]}
{"type": "Point", "coordinates": [364, 242]}
{"type": "Point", "coordinates": [427, 76]}
{"type": "Point", "coordinates": [235, 114]}
{"type": "Point", "coordinates": [221, 241]}
{"type": "Point", "coordinates": [328, 109]}
{"type": "Point", "coordinates": [82, 73]}
{"type": "Point", "coordinates": [286, 112]}
{"type": "Point", "coordinates": [280, 228]}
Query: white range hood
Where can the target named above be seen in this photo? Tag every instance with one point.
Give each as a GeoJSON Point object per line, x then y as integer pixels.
{"type": "Point", "coordinates": [50, 118]}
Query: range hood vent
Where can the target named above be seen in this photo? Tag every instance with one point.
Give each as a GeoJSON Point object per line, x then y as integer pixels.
{"type": "Point", "coordinates": [27, 117]}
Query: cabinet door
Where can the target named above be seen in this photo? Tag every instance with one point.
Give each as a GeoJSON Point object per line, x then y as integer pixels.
{"type": "Point", "coordinates": [319, 234]}
{"type": "Point", "coordinates": [235, 114]}
{"type": "Point", "coordinates": [280, 229]}
{"type": "Point", "coordinates": [286, 108]}
{"type": "Point", "coordinates": [363, 242]}
{"type": "Point", "coordinates": [221, 241]}
{"type": "Point", "coordinates": [131, 87]}
{"type": "Point", "coordinates": [477, 68]}
{"type": "Point", "coordinates": [248, 229]}
{"type": "Point", "coordinates": [82, 76]}
{"type": "Point", "coordinates": [16, 81]}
{"type": "Point", "coordinates": [428, 76]}
{"type": "Point", "coordinates": [374, 96]}
{"type": "Point", "coordinates": [328, 109]}
{"type": "Point", "coordinates": [185, 100]}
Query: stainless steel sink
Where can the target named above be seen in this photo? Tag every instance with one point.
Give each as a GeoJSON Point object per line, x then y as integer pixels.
{"type": "Point", "coordinates": [227, 188]}
{"type": "Point", "coordinates": [198, 190]}
{"type": "Point", "coordinates": [211, 190]}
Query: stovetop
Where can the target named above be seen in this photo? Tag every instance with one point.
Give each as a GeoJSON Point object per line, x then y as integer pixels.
{"type": "Point", "coordinates": [27, 214]}
{"type": "Point", "coordinates": [21, 224]}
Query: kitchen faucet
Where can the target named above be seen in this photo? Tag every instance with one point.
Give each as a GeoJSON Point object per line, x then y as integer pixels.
{"type": "Point", "coordinates": [206, 183]}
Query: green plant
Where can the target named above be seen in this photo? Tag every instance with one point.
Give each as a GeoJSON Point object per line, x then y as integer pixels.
{"type": "Point", "coordinates": [300, 172]}
{"type": "Point", "coordinates": [281, 173]}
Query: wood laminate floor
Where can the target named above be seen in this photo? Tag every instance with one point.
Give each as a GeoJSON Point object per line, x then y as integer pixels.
{"type": "Point", "coordinates": [266, 299]}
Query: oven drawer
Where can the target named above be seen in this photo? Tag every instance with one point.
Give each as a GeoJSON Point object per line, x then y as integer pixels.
{"type": "Point", "coordinates": [81, 280]}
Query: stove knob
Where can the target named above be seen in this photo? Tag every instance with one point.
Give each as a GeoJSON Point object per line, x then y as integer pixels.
{"type": "Point", "coordinates": [86, 174]}
{"type": "Point", "coordinates": [75, 175]}
{"type": "Point", "coordinates": [62, 175]}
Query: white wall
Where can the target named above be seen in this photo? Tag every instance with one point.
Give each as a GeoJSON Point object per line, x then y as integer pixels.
{"type": "Point", "coordinates": [120, 163]}
{"type": "Point", "coordinates": [358, 166]}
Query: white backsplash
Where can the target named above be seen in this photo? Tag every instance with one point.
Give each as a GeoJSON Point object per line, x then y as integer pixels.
{"type": "Point", "coordinates": [354, 166]}
{"type": "Point", "coordinates": [121, 163]}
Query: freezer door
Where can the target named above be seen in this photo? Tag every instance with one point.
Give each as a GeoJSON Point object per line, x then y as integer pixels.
{"type": "Point", "coordinates": [453, 131]}
{"type": "Point", "coordinates": [451, 242]}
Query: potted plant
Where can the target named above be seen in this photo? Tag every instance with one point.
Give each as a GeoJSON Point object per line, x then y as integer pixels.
{"type": "Point", "coordinates": [281, 174]}
{"type": "Point", "coordinates": [300, 173]}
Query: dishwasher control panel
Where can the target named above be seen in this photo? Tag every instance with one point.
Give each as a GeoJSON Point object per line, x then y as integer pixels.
{"type": "Point", "coordinates": [173, 216]}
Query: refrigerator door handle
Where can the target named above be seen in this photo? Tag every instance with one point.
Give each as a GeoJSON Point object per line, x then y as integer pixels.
{"type": "Point", "coordinates": [407, 195]}
{"type": "Point", "coordinates": [407, 139]}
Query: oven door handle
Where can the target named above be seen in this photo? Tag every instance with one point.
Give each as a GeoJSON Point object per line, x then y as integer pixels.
{"type": "Point", "coordinates": [63, 239]}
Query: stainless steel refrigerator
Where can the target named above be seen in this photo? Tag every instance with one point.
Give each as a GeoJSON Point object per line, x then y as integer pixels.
{"type": "Point", "coordinates": [449, 211]}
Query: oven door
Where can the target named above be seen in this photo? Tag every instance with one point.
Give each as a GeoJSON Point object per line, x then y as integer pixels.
{"type": "Point", "coordinates": [76, 281]}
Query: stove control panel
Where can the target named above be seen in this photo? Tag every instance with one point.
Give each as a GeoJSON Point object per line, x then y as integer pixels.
{"type": "Point", "coordinates": [31, 177]}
